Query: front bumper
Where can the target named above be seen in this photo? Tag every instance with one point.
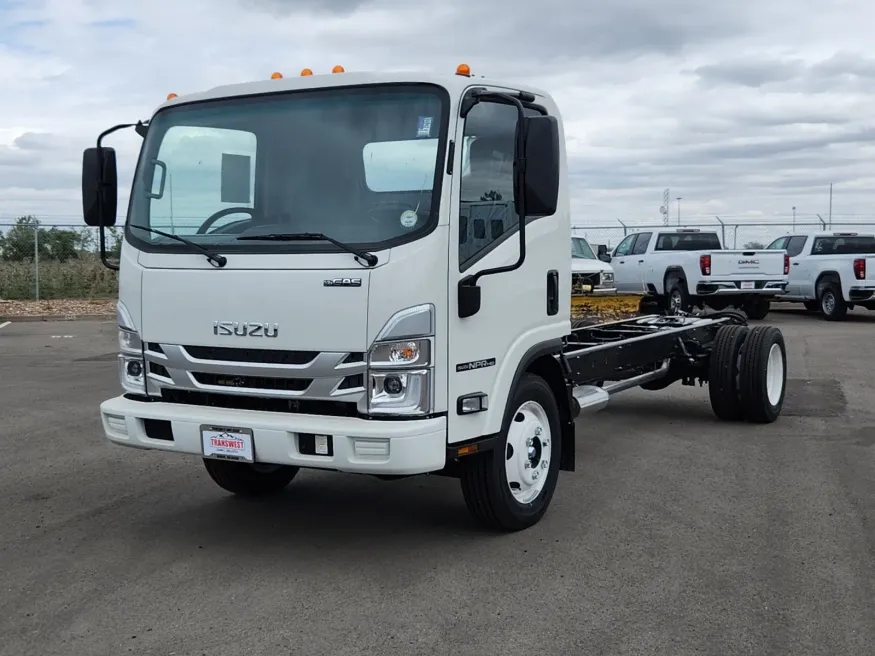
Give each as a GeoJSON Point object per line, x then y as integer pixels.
{"type": "Point", "coordinates": [361, 446]}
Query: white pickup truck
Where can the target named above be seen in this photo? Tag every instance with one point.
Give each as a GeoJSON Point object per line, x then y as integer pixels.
{"type": "Point", "coordinates": [589, 275]}
{"type": "Point", "coordinates": [830, 272]}
{"type": "Point", "coordinates": [685, 267]}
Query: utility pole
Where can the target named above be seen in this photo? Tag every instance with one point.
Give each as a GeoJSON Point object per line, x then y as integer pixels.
{"type": "Point", "coordinates": [679, 209]}
{"type": "Point", "coordinates": [794, 219]}
{"type": "Point", "coordinates": [830, 204]}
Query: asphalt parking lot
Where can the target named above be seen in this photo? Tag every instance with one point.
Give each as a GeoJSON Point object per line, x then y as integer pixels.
{"type": "Point", "coordinates": [678, 534]}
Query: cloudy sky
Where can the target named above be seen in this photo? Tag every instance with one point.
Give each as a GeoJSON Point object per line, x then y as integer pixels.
{"type": "Point", "coordinates": [742, 108]}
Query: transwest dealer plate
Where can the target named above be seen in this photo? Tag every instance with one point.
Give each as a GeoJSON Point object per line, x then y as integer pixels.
{"type": "Point", "coordinates": [747, 285]}
{"type": "Point", "coordinates": [228, 443]}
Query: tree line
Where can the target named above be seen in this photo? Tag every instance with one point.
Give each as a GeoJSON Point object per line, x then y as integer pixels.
{"type": "Point", "coordinates": [28, 237]}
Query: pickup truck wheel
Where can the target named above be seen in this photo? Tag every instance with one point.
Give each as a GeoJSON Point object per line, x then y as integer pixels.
{"type": "Point", "coordinates": [832, 305]}
{"type": "Point", "coordinates": [510, 487]}
{"type": "Point", "coordinates": [678, 298]}
{"type": "Point", "coordinates": [723, 372]}
{"type": "Point", "coordinates": [812, 306]}
{"type": "Point", "coordinates": [250, 480]}
{"type": "Point", "coordinates": [763, 375]}
{"type": "Point", "coordinates": [757, 308]}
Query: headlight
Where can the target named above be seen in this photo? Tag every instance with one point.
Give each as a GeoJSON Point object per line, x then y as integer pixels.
{"type": "Point", "coordinates": [132, 368]}
{"type": "Point", "coordinates": [400, 365]}
{"type": "Point", "coordinates": [607, 276]}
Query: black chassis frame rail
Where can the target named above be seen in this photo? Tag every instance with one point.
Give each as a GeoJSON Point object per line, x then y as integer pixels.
{"type": "Point", "coordinates": [619, 350]}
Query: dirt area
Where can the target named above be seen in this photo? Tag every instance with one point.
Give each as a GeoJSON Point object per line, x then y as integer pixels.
{"type": "Point", "coordinates": [57, 308]}
{"type": "Point", "coordinates": [599, 308]}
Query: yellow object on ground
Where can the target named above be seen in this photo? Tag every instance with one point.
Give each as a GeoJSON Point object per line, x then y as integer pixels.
{"type": "Point", "coordinates": [604, 307]}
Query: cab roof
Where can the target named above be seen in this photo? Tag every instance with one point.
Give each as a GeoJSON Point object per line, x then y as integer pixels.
{"type": "Point", "coordinates": [456, 84]}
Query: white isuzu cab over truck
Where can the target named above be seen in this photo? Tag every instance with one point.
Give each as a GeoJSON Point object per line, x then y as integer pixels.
{"type": "Point", "coordinates": [330, 272]}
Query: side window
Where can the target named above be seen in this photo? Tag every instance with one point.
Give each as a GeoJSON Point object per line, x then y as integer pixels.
{"type": "Point", "coordinates": [795, 246]}
{"type": "Point", "coordinates": [778, 244]}
{"type": "Point", "coordinates": [641, 244]}
{"type": "Point", "coordinates": [486, 209]}
{"type": "Point", "coordinates": [200, 171]}
{"type": "Point", "coordinates": [624, 246]}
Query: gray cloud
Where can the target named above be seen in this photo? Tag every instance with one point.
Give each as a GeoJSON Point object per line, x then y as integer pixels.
{"type": "Point", "coordinates": [746, 107]}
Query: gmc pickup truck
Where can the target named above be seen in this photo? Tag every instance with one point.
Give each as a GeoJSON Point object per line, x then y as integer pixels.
{"type": "Point", "coordinates": [830, 272]}
{"type": "Point", "coordinates": [684, 268]}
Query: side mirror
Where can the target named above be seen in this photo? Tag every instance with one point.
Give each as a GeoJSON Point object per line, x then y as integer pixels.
{"type": "Point", "coordinates": [541, 193]}
{"type": "Point", "coordinates": [99, 187]}
{"type": "Point", "coordinates": [602, 253]}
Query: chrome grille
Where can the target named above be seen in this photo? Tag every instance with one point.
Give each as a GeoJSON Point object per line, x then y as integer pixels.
{"type": "Point", "coordinates": [306, 375]}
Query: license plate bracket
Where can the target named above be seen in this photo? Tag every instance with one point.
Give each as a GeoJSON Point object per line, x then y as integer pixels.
{"type": "Point", "coordinates": [748, 285]}
{"type": "Point", "coordinates": [228, 443]}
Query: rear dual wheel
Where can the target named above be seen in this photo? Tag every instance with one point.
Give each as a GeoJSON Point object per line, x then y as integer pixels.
{"type": "Point", "coordinates": [747, 374]}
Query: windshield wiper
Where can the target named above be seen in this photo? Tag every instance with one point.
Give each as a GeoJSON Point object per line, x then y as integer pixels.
{"type": "Point", "coordinates": [370, 258]}
{"type": "Point", "coordinates": [214, 258]}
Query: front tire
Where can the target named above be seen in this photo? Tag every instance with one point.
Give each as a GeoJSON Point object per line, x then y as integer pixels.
{"type": "Point", "coordinates": [250, 480]}
{"type": "Point", "coordinates": [510, 487]}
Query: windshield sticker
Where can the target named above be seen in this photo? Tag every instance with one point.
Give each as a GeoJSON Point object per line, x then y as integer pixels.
{"type": "Point", "coordinates": [424, 128]}
{"type": "Point", "coordinates": [408, 218]}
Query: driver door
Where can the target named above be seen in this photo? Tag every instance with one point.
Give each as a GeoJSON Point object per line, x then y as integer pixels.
{"type": "Point", "coordinates": [624, 265]}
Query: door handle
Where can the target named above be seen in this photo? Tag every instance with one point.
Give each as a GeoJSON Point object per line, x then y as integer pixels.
{"type": "Point", "coordinates": [640, 261]}
{"type": "Point", "coordinates": [622, 261]}
{"type": "Point", "coordinates": [795, 263]}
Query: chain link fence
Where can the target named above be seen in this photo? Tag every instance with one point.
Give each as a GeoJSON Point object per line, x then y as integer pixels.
{"type": "Point", "coordinates": [51, 262]}
{"type": "Point", "coordinates": [44, 261]}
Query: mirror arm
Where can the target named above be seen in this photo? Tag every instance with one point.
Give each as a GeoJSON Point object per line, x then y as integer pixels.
{"type": "Point", "coordinates": [102, 230]}
{"type": "Point", "coordinates": [519, 172]}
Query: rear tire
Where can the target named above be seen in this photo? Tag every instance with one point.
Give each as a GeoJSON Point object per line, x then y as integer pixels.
{"type": "Point", "coordinates": [678, 299]}
{"type": "Point", "coordinates": [832, 304]}
{"type": "Point", "coordinates": [723, 372]}
{"type": "Point", "coordinates": [250, 480]}
{"type": "Point", "coordinates": [763, 375]}
{"type": "Point", "coordinates": [531, 434]}
{"type": "Point", "coordinates": [757, 308]}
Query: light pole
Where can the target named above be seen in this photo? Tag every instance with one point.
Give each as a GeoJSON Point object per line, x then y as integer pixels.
{"type": "Point", "coordinates": [794, 219]}
{"type": "Point", "coordinates": [679, 209]}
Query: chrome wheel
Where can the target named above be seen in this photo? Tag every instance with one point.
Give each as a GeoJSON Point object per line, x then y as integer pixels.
{"type": "Point", "coordinates": [528, 452]}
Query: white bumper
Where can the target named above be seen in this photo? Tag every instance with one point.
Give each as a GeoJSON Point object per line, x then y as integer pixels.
{"type": "Point", "coordinates": [362, 446]}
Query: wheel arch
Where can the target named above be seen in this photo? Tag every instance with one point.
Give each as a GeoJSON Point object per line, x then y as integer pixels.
{"type": "Point", "coordinates": [673, 273]}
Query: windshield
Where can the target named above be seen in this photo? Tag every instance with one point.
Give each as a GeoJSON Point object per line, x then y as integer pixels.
{"type": "Point", "coordinates": [580, 248]}
{"type": "Point", "coordinates": [359, 165]}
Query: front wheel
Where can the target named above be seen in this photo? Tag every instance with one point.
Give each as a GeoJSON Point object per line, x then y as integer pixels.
{"type": "Point", "coordinates": [250, 480]}
{"type": "Point", "coordinates": [510, 487]}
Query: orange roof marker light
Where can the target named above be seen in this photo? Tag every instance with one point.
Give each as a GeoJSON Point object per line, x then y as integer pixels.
{"type": "Point", "coordinates": [337, 69]}
{"type": "Point", "coordinates": [276, 76]}
{"type": "Point", "coordinates": [171, 96]}
{"type": "Point", "coordinates": [463, 69]}
{"type": "Point", "coordinates": [306, 71]}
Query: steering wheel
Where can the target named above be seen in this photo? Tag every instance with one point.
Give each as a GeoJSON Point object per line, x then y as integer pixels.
{"type": "Point", "coordinates": [222, 213]}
